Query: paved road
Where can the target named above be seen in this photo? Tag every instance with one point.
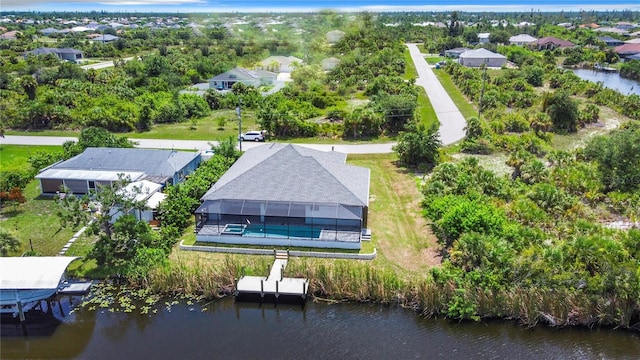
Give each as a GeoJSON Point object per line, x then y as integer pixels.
{"type": "Point", "coordinates": [199, 144]}
{"type": "Point", "coordinates": [102, 65]}
{"type": "Point", "coordinates": [452, 122]}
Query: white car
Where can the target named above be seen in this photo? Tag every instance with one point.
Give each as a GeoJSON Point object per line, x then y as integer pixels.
{"type": "Point", "coordinates": [252, 136]}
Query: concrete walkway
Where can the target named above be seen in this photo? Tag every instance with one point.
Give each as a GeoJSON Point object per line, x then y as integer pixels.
{"type": "Point", "coordinates": [452, 122]}
{"type": "Point", "coordinates": [198, 144]}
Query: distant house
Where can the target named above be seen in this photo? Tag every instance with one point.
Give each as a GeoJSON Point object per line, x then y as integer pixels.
{"type": "Point", "coordinates": [287, 195]}
{"type": "Point", "coordinates": [456, 52]}
{"type": "Point", "coordinates": [478, 57]}
{"type": "Point", "coordinates": [49, 31]}
{"type": "Point", "coordinates": [334, 36]}
{"type": "Point", "coordinates": [103, 166]}
{"type": "Point", "coordinates": [279, 64]}
{"type": "Point", "coordinates": [106, 38]}
{"type": "Point", "coordinates": [10, 35]}
{"type": "Point", "coordinates": [521, 40]}
{"type": "Point", "coordinates": [483, 38]}
{"type": "Point", "coordinates": [623, 25]}
{"type": "Point", "coordinates": [330, 63]}
{"type": "Point", "coordinates": [609, 41]}
{"type": "Point", "coordinates": [633, 57]}
{"type": "Point", "coordinates": [550, 43]}
{"type": "Point", "coordinates": [68, 54]}
{"type": "Point", "coordinates": [256, 78]}
{"type": "Point", "coordinates": [627, 50]}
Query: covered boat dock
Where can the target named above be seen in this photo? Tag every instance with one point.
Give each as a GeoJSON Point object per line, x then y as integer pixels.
{"type": "Point", "coordinates": [27, 280]}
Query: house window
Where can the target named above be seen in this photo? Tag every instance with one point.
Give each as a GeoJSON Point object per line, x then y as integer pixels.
{"type": "Point", "coordinates": [92, 184]}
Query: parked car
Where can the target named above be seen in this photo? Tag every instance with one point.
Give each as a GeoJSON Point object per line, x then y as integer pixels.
{"type": "Point", "coordinates": [252, 136]}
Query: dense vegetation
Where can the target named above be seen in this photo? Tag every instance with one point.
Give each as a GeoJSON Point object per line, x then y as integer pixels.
{"type": "Point", "coordinates": [533, 245]}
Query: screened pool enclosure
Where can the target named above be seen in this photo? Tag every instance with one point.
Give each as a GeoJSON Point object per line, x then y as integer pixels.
{"type": "Point", "coordinates": [274, 221]}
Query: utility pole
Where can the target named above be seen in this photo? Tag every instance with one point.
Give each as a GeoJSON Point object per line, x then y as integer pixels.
{"type": "Point", "coordinates": [484, 79]}
{"type": "Point", "coordinates": [239, 114]}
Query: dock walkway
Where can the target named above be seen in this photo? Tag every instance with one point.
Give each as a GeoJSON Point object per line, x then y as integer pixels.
{"type": "Point", "coordinates": [275, 284]}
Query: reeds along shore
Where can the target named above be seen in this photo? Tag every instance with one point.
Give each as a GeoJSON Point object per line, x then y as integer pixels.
{"type": "Point", "coordinates": [345, 280]}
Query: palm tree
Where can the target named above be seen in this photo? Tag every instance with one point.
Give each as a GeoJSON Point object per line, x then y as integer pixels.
{"type": "Point", "coordinates": [30, 85]}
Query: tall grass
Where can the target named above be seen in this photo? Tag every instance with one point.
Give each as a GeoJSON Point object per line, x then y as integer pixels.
{"type": "Point", "coordinates": [359, 281]}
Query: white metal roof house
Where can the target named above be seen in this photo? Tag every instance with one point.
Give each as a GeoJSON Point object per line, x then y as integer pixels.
{"type": "Point", "coordinates": [287, 195]}
{"type": "Point", "coordinates": [521, 39]}
{"type": "Point", "coordinates": [483, 38]}
{"type": "Point", "coordinates": [256, 78]}
{"type": "Point", "coordinates": [103, 166]}
{"type": "Point", "coordinates": [279, 64]}
{"type": "Point", "coordinates": [478, 57]}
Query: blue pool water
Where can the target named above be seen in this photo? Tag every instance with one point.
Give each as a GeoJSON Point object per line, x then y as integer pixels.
{"type": "Point", "coordinates": [281, 231]}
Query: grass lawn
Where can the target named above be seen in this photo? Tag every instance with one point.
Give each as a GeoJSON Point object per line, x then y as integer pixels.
{"type": "Point", "coordinates": [15, 157]}
{"type": "Point", "coordinates": [432, 60]}
{"type": "Point", "coordinates": [467, 109]}
{"type": "Point", "coordinates": [36, 221]}
{"type": "Point", "coordinates": [399, 231]}
{"type": "Point", "coordinates": [410, 71]}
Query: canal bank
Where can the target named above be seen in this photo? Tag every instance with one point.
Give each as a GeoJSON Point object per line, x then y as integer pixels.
{"type": "Point", "coordinates": [611, 80]}
{"type": "Point", "coordinates": [225, 329]}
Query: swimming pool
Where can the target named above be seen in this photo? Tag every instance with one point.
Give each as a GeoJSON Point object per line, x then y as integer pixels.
{"type": "Point", "coordinates": [281, 231]}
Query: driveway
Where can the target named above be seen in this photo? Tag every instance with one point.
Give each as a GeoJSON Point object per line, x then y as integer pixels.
{"type": "Point", "coordinates": [452, 122]}
{"type": "Point", "coordinates": [199, 145]}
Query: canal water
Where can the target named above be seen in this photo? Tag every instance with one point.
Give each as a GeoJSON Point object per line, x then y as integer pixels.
{"type": "Point", "coordinates": [611, 80]}
{"type": "Point", "coordinates": [225, 329]}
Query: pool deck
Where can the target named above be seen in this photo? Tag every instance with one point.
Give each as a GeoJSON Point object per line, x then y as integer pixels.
{"type": "Point", "coordinates": [275, 284]}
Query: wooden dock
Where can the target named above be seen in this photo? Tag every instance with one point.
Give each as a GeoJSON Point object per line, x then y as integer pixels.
{"type": "Point", "coordinates": [275, 285]}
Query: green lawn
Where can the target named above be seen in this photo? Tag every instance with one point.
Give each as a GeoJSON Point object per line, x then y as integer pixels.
{"type": "Point", "coordinates": [467, 109]}
{"type": "Point", "coordinates": [15, 157]}
{"type": "Point", "coordinates": [410, 71]}
{"type": "Point", "coordinates": [432, 60]}
{"type": "Point", "coordinates": [36, 221]}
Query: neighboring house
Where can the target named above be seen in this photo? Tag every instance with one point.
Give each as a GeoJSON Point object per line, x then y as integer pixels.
{"type": "Point", "coordinates": [483, 38]}
{"type": "Point", "coordinates": [627, 50]}
{"type": "Point", "coordinates": [49, 31]}
{"type": "Point", "coordinates": [623, 25]}
{"type": "Point", "coordinates": [478, 57]}
{"type": "Point", "coordinates": [612, 30]}
{"type": "Point", "coordinates": [10, 35]}
{"type": "Point", "coordinates": [68, 54]}
{"type": "Point", "coordinates": [279, 64]}
{"type": "Point", "coordinates": [550, 43]}
{"type": "Point", "coordinates": [106, 38]}
{"type": "Point", "coordinates": [287, 195]}
{"type": "Point", "coordinates": [334, 36]}
{"type": "Point", "coordinates": [632, 41]}
{"type": "Point", "coordinates": [609, 41]}
{"type": "Point", "coordinates": [456, 52]}
{"type": "Point", "coordinates": [146, 191]}
{"type": "Point", "coordinates": [103, 166]}
{"type": "Point", "coordinates": [256, 78]}
{"type": "Point", "coordinates": [521, 40]}
{"type": "Point", "coordinates": [330, 63]}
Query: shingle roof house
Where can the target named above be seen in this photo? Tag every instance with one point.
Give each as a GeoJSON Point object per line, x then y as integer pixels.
{"type": "Point", "coordinates": [522, 39]}
{"type": "Point", "coordinates": [62, 53]}
{"type": "Point", "coordinates": [550, 43]}
{"type": "Point", "coordinates": [283, 194]}
{"type": "Point", "coordinates": [478, 57]}
{"type": "Point", "coordinates": [256, 78]}
{"type": "Point", "coordinates": [627, 49]}
{"type": "Point", "coordinates": [102, 166]}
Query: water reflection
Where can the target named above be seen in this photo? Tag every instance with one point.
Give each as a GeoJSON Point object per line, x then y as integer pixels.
{"type": "Point", "coordinates": [611, 80]}
{"type": "Point", "coordinates": [226, 329]}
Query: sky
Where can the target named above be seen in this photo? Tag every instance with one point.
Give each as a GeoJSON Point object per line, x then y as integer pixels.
{"type": "Point", "coordinates": [186, 6]}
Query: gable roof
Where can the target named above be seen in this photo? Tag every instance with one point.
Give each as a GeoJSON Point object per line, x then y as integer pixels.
{"type": "Point", "coordinates": [239, 73]}
{"type": "Point", "coordinates": [552, 40]}
{"type": "Point", "coordinates": [286, 172]}
{"type": "Point", "coordinates": [152, 162]}
{"type": "Point", "coordinates": [481, 54]}
{"type": "Point", "coordinates": [55, 51]}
